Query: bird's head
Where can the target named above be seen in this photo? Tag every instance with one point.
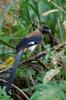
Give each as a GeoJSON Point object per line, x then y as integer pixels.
{"type": "Point", "coordinates": [45, 30]}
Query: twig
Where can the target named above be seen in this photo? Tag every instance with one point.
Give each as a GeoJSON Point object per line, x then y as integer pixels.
{"type": "Point", "coordinates": [60, 62]}
{"type": "Point", "coordinates": [57, 47]}
{"type": "Point", "coordinates": [31, 78]}
{"type": "Point", "coordinates": [35, 57]}
{"type": "Point", "coordinates": [5, 70]}
{"type": "Point", "coordinates": [58, 7]}
{"type": "Point", "coordinates": [42, 63]}
{"type": "Point", "coordinates": [49, 12]}
{"type": "Point", "coordinates": [14, 86]}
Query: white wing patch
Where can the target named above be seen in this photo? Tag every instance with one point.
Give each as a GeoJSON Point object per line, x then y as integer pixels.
{"type": "Point", "coordinates": [32, 47]}
{"type": "Point", "coordinates": [31, 43]}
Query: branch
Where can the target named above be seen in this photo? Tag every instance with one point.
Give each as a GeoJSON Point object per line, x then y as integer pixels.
{"type": "Point", "coordinates": [5, 70]}
{"type": "Point", "coordinates": [14, 86]}
{"type": "Point", "coordinates": [57, 47]}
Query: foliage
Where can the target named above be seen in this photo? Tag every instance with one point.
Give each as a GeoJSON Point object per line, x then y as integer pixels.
{"type": "Point", "coordinates": [3, 95]}
{"type": "Point", "coordinates": [17, 19]}
{"type": "Point", "coordinates": [20, 74]}
{"type": "Point", "coordinates": [50, 91]}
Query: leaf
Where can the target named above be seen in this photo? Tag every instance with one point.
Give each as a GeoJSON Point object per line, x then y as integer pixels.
{"type": "Point", "coordinates": [50, 91]}
{"type": "Point", "coordinates": [50, 74]}
{"type": "Point", "coordinates": [2, 66]}
{"type": "Point", "coordinates": [1, 22]}
{"type": "Point", "coordinates": [49, 0]}
{"type": "Point", "coordinates": [9, 61]}
{"type": "Point", "coordinates": [3, 95]}
{"type": "Point", "coordinates": [64, 25]}
{"type": "Point", "coordinates": [49, 12]}
{"type": "Point", "coordinates": [20, 74]}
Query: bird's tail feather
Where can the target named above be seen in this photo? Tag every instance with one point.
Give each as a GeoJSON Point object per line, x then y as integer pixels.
{"type": "Point", "coordinates": [12, 74]}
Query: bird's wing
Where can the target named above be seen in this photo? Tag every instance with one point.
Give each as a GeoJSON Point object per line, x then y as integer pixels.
{"type": "Point", "coordinates": [28, 42]}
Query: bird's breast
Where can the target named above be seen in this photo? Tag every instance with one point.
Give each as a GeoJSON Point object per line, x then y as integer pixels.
{"type": "Point", "coordinates": [32, 48]}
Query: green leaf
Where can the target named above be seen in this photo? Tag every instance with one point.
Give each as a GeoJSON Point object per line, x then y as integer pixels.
{"type": "Point", "coordinates": [50, 91]}
{"type": "Point", "coordinates": [3, 95]}
{"type": "Point", "coordinates": [50, 74]}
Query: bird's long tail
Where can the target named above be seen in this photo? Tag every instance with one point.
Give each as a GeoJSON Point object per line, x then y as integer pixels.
{"type": "Point", "coordinates": [12, 74]}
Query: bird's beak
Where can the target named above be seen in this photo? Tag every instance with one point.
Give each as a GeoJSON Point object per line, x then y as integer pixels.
{"type": "Point", "coordinates": [49, 31]}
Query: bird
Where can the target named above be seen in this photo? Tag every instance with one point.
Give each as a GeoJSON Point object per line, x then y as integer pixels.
{"type": "Point", "coordinates": [31, 41]}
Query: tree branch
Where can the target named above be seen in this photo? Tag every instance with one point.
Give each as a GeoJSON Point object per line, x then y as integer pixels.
{"type": "Point", "coordinates": [57, 47]}
{"type": "Point", "coordinates": [18, 89]}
